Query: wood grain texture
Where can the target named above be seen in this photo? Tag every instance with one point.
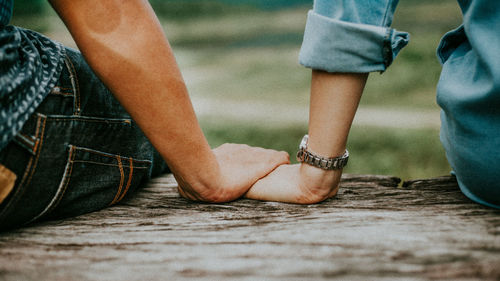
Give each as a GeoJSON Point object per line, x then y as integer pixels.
{"type": "Point", "coordinates": [373, 230]}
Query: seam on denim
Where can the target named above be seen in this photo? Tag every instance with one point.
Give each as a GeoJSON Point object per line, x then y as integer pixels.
{"type": "Point", "coordinates": [129, 181]}
{"type": "Point", "coordinates": [387, 44]}
{"type": "Point", "coordinates": [122, 179]}
{"type": "Point", "coordinates": [387, 48]}
{"type": "Point", "coordinates": [37, 128]}
{"type": "Point", "coordinates": [37, 144]}
{"type": "Point", "coordinates": [57, 90]}
{"type": "Point", "coordinates": [74, 83]}
{"type": "Point", "coordinates": [62, 187]}
{"type": "Point", "coordinates": [30, 138]}
{"type": "Point", "coordinates": [62, 94]}
{"type": "Point", "coordinates": [386, 14]}
{"type": "Point", "coordinates": [38, 148]}
{"type": "Point", "coordinates": [24, 146]}
{"type": "Point", "coordinates": [64, 88]}
{"type": "Point", "coordinates": [28, 173]}
{"type": "Point", "coordinates": [106, 164]}
{"type": "Point", "coordinates": [89, 119]}
{"type": "Point", "coordinates": [111, 155]}
{"type": "Point", "coordinates": [25, 143]}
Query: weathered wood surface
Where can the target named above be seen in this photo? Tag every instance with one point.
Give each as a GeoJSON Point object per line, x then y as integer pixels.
{"type": "Point", "coordinates": [373, 230]}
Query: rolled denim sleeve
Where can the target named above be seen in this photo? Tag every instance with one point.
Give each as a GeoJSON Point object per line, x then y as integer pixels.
{"type": "Point", "coordinates": [351, 36]}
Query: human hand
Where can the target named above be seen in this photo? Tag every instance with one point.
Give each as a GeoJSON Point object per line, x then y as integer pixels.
{"type": "Point", "coordinates": [239, 166]}
{"type": "Point", "coordinates": [302, 184]}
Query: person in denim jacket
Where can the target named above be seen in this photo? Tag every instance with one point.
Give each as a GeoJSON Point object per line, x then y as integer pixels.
{"type": "Point", "coordinates": [77, 135]}
{"type": "Point", "coordinates": [344, 40]}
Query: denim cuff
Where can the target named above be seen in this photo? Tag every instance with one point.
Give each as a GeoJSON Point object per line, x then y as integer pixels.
{"type": "Point", "coordinates": [339, 46]}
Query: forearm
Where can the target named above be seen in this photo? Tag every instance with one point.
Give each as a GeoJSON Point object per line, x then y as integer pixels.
{"type": "Point", "coordinates": [333, 103]}
{"type": "Point", "coordinates": [129, 52]}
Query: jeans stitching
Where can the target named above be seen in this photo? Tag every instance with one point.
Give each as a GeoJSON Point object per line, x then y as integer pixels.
{"type": "Point", "coordinates": [38, 147]}
{"type": "Point", "coordinates": [74, 83]}
{"type": "Point", "coordinates": [37, 130]}
{"type": "Point", "coordinates": [24, 141]}
{"type": "Point", "coordinates": [64, 94]}
{"type": "Point", "coordinates": [37, 144]}
{"type": "Point", "coordinates": [69, 119]}
{"type": "Point", "coordinates": [113, 165]}
{"type": "Point", "coordinates": [27, 137]}
{"type": "Point", "coordinates": [122, 178]}
{"type": "Point", "coordinates": [129, 181]}
{"type": "Point", "coordinates": [387, 11]}
{"type": "Point", "coordinates": [111, 156]}
{"type": "Point", "coordinates": [62, 186]}
{"type": "Point", "coordinates": [387, 48]}
{"type": "Point", "coordinates": [99, 121]}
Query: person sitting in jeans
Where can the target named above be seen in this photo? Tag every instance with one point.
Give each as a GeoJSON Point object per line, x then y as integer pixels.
{"type": "Point", "coordinates": [78, 132]}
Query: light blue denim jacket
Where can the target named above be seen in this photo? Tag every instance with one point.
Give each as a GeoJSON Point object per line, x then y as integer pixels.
{"type": "Point", "coordinates": [355, 36]}
{"type": "Point", "coordinates": [351, 36]}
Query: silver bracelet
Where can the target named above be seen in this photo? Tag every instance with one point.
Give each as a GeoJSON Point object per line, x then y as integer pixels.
{"type": "Point", "coordinates": [325, 163]}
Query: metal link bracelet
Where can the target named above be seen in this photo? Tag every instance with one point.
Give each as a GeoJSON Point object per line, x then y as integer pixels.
{"type": "Point", "coordinates": [305, 156]}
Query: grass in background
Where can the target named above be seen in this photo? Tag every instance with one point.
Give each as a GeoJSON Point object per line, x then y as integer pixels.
{"type": "Point", "coordinates": [411, 80]}
{"type": "Point", "coordinates": [406, 153]}
{"type": "Point", "coordinates": [31, 14]}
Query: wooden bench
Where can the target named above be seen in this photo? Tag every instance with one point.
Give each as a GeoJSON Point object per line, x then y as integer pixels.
{"type": "Point", "coordinates": [374, 229]}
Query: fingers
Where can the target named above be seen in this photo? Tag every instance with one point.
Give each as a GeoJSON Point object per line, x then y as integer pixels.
{"type": "Point", "coordinates": [242, 165]}
{"type": "Point", "coordinates": [283, 157]}
{"type": "Point", "coordinates": [280, 185]}
{"type": "Point", "coordinates": [274, 158]}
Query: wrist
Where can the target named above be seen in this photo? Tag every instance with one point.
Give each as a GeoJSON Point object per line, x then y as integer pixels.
{"type": "Point", "coordinates": [319, 175]}
{"type": "Point", "coordinates": [305, 155]}
{"type": "Point", "coordinates": [318, 184]}
{"type": "Point", "coordinates": [206, 184]}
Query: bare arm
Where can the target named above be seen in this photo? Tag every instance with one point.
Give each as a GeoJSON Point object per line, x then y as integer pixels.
{"type": "Point", "coordinates": [124, 44]}
{"type": "Point", "coordinates": [334, 100]}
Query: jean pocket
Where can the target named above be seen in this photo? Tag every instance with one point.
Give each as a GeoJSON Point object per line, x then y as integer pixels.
{"type": "Point", "coordinates": [93, 180]}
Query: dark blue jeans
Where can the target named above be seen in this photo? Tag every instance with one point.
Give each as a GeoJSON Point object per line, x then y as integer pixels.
{"type": "Point", "coordinates": [79, 152]}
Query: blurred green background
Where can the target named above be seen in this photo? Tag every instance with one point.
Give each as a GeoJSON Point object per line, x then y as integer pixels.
{"type": "Point", "coordinates": [239, 60]}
